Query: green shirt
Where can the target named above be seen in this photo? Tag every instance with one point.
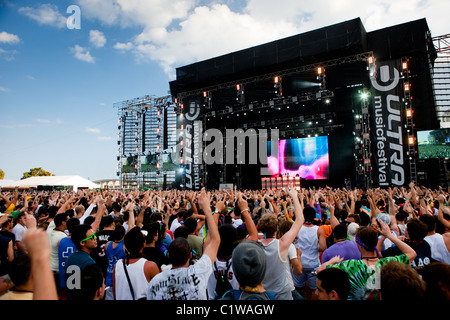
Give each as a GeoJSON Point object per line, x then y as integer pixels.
{"type": "Point", "coordinates": [365, 280]}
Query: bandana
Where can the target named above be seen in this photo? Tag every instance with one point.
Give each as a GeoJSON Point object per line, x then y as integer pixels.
{"type": "Point", "coordinates": [358, 241]}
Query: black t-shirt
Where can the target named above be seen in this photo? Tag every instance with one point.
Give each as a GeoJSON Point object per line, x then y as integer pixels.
{"type": "Point", "coordinates": [422, 249]}
{"type": "Point", "coordinates": [4, 261]}
{"type": "Point", "coordinates": [155, 255]}
{"type": "Point", "coordinates": [99, 253]}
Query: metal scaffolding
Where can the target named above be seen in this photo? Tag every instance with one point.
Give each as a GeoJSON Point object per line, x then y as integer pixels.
{"type": "Point", "coordinates": [145, 143]}
{"type": "Point", "coordinates": [441, 78]}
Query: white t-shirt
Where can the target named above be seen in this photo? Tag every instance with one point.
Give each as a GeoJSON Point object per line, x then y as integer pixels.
{"type": "Point", "coordinates": [237, 222]}
{"type": "Point", "coordinates": [18, 231]}
{"type": "Point", "coordinates": [292, 254]}
{"type": "Point", "coordinates": [182, 283]}
{"type": "Point", "coordinates": [221, 267]}
{"type": "Point", "coordinates": [55, 237]}
{"type": "Point", "coordinates": [439, 250]}
{"type": "Point", "coordinates": [175, 224]}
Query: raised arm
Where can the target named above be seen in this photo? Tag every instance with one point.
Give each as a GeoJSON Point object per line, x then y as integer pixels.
{"type": "Point", "coordinates": [288, 237]}
{"type": "Point", "coordinates": [249, 223]}
{"type": "Point", "coordinates": [402, 246]}
{"type": "Point", "coordinates": [213, 237]}
{"type": "Point", "coordinates": [38, 245]}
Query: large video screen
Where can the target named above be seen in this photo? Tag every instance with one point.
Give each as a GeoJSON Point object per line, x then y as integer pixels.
{"type": "Point", "coordinates": [306, 157]}
{"type": "Point", "coordinates": [433, 144]}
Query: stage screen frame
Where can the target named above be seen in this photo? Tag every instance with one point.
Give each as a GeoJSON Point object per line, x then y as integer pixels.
{"type": "Point", "coordinates": [307, 158]}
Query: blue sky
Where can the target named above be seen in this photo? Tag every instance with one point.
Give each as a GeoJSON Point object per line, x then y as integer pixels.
{"type": "Point", "coordinates": [58, 85]}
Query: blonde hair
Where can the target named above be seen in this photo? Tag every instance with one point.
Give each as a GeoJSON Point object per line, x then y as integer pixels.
{"type": "Point", "coordinates": [268, 224]}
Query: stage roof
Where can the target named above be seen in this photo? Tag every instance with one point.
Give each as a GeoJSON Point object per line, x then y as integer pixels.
{"type": "Point", "coordinates": [336, 41]}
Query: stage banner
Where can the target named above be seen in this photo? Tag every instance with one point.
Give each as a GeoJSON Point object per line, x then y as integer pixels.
{"type": "Point", "coordinates": [193, 144]}
{"type": "Point", "coordinates": [387, 134]}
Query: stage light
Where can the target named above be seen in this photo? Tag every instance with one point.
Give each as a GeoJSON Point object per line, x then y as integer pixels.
{"type": "Point", "coordinates": [405, 65]}
{"type": "Point", "coordinates": [276, 79]}
{"type": "Point", "coordinates": [406, 87]}
{"type": "Point", "coordinates": [370, 60]}
{"type": "Point", "coordinates": [411, 140]}
{"type": "Point", "coordinates": [205, 94]}
{"type": "Point", "coordinates": [238, 87]}
{"type": "Point", "coordinates": [364, 95]}
{"type": "Point", "coordinates": [409, 113]}
{"type": "Point", "coordinates": [319, 70]}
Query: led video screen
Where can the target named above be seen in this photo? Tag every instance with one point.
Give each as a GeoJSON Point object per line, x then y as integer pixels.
{"type": "Point", "coordinates": [306, 157]}
{"type": "Point", "coordinates": [433, 144]}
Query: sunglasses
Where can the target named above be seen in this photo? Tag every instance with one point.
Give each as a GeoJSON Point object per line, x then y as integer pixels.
{"type": "Point", "coordinates": [92, 237]}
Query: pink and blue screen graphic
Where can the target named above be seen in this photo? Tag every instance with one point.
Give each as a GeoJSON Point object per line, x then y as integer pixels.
{"type": "Point", "coordinates": [306, 157]}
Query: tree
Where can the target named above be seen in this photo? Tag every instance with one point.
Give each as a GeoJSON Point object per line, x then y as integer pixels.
{"type": "Point", "coordinates": [2, 174]}
{"type": "Point", "coordinates": [36, 172]}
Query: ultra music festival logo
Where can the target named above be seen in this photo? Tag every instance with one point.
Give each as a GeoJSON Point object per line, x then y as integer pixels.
{"type": "Point", "coordinates": [387, 134]}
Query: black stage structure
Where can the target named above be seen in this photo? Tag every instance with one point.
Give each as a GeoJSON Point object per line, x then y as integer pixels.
{"type": "Point", "coordinates": [367, 92]}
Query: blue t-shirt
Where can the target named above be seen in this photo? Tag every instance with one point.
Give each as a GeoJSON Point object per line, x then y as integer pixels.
{"type": "Point", "coordinates": [65, 249]}
{"type": "Point", "coordinates": [113, 255]}
{"type": "Point", "coordinates": [80, 259]}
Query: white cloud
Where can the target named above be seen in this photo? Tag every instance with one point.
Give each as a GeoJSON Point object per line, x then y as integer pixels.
{"type": "Point", "coordinates": [104, 138]}
{"type": "Point", "coordinates": [97, 38]}
{"type": "Point", "coordinates": [82, 54]}
{"type": "Point", "coordinates": [45, 14]}
{"type": "Point", "coordinates": [123, 46]}
{"type": "Point", "coordinates": [179, 32]}
{"type": "Point", "coordinates": [93, 130]}
{"type": "Point", "coordinates": [46, 121]}
{"type": "Point", "coordinates": [3, 89]}
{"type": "Point", "coordinates": [9, 38]}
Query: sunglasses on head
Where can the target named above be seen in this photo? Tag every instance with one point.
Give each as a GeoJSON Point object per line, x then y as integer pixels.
{"type": "Point", "coordinates": [92, 237]}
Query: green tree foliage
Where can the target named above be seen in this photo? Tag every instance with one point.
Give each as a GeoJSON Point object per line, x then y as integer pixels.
{"type": "Point", "coordinates": [2, 174]}
{"type": "Point", "coordinates": [36, 172]}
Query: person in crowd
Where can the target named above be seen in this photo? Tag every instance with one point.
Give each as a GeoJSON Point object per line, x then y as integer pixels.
{"type": "Point", "coordinates": [364, 274]}
{"type": "Point", "coordinates": [277, 249]}
{"type": "Point", "coordinates": [65, 248]}
{"type": "Point", "coordinates": [132, 274]}
{"type": "Point", "coordinates": [193, 278]}
{"type": "Point", "coordinates": [114, 252]}
{"type": "Point", "coordinates": [439, 250]}
{"type": "Point", "coordinates": [415, 234]}
{"type": "Point", "coordinates": [342, 247]}
{"type": "Point", "coordinates": [332, 284]}
{"type": "Point", "coordinates": [311, 241]}
{"type": "Point", "coordinates": [400, 281]}
{"type": "Point", "coordinates": [250, 265]}
{"type": "Point", "coordinates": [437, 278]}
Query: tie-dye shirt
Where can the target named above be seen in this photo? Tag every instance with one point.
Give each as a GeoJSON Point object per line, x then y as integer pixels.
{"type": "Point", "coordinates": [365, 280]}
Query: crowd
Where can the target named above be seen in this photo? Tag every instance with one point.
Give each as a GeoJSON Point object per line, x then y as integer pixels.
{"type": "Point", "coordinates": [306, 244]}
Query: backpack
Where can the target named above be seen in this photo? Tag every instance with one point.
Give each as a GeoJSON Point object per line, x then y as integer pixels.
{"type": "Point", "coordinates": [243, 295]}
{"type": "Point", "coordinates": [223, 285]}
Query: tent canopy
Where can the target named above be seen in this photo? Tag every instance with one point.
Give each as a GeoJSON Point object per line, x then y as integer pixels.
{"type": "Point", "coordinates": [54, 181]}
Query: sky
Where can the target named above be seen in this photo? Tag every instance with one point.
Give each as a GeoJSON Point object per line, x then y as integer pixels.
{"type": "Point", "coordinates": [62, 70]}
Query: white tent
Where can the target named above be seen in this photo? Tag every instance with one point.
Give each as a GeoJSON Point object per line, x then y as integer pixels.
{"type": "Point", "coordinates": [6, 183]}
{"type": "Point", "coordinates": [55, 181]}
